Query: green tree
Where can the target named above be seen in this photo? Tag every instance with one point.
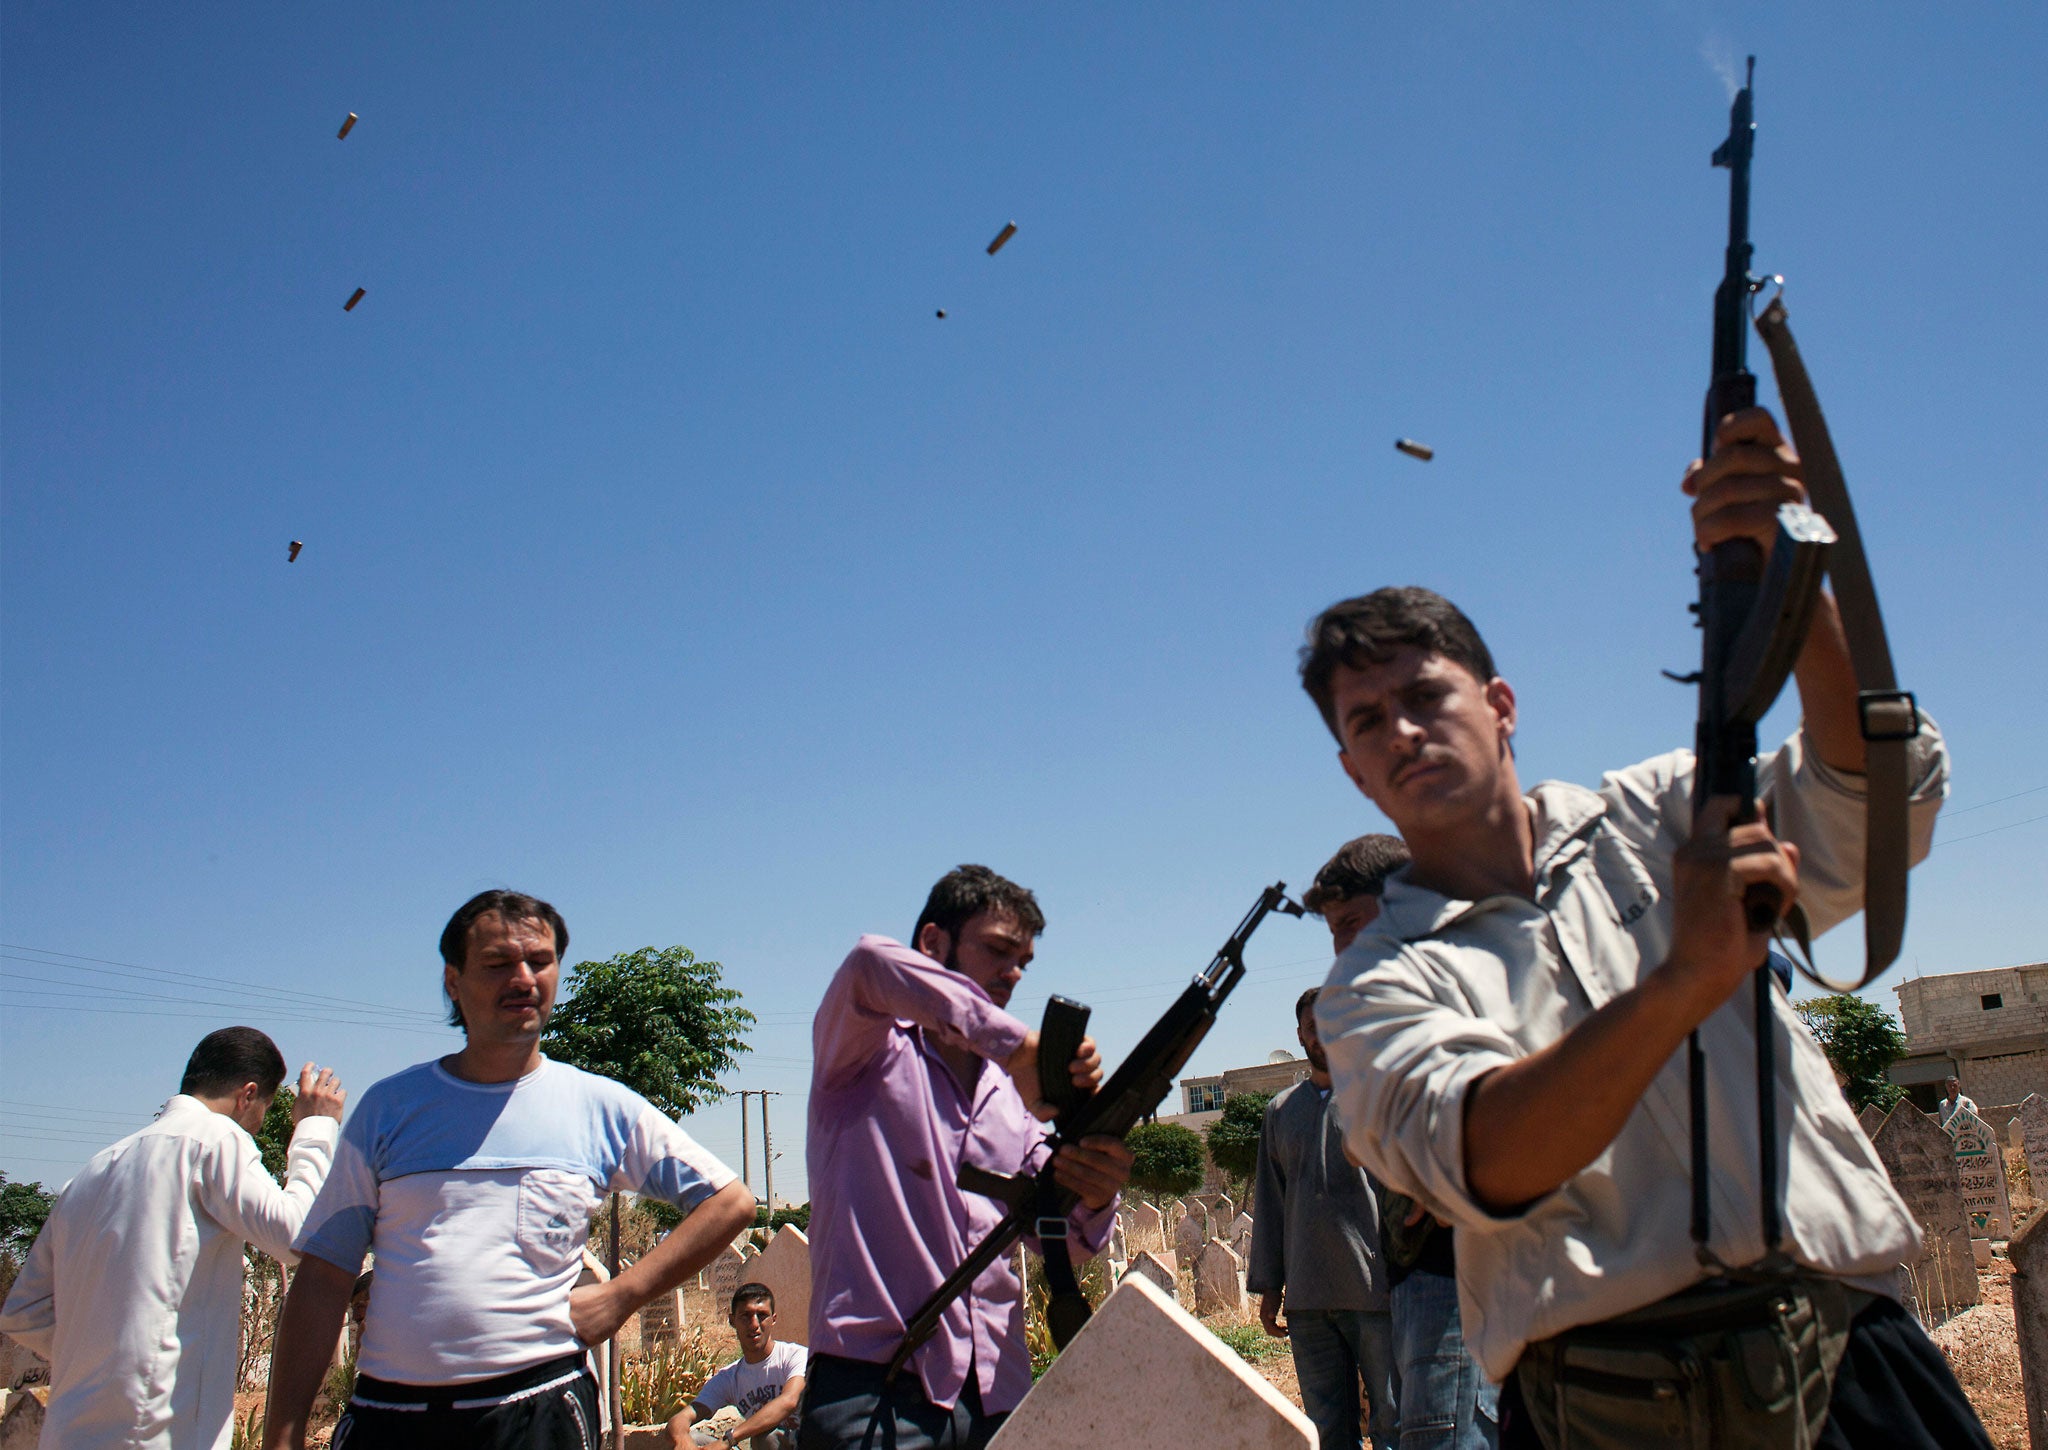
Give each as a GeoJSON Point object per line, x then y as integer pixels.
{"type": "Point", "coordinates": [23, 1207]}
{"type": "Point", "coordinates": [1862, 1041]}
{"type": "Point", "coordinates": [1234, 1137]}
{"type": "Point", "coordinates": [1166, 1159]}
{"type": "Point", "coordinates": [661, 1022]}
{"type": "Point", "coordinates": [274, 1138]}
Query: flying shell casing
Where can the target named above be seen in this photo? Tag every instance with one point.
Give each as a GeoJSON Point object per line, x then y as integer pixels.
{"type": "Point", "coordinates": [1415, 450]}
{"type": "Point", "coordinates": [350, 305]}
{"type": "Point", "coordinates": [942, 313]}
{"type": "Point", "coordinates": [346, 127]}
{"type": "Point", "coordinates": [293, 556]}
{"type": "Point", "coordinates": [1009, 230]}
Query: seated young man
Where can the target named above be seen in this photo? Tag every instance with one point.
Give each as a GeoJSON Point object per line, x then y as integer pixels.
{"type": "Point", "coordinates": [754, 1399]}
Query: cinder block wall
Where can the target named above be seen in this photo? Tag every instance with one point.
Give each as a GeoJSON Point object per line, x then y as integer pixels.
{"type": "Point", "coordinates": [2008, 1079]}
{"type": "Point", "coordinates": [1949, 1011]}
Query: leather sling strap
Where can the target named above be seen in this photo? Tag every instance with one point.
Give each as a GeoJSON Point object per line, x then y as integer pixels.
{"type": "Point", "coordinates": [1888, 716]}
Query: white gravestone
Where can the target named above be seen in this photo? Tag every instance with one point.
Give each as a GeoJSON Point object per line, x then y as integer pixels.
{"type": "Point", "coordinates": [1241, 1236]}
{"type": "Point", "coordinates": [1190, 1236]}
{"type": "Point", "coordinates": [1148, 1228]}
{"type": "Point", "coordinates": [1980, 1172]}
{"type": "Point", "coordinates": [1219, 1281]}
{"type": "Point", "coordinates": [1144, 1375]}
{"type": "Point", "coordinates": [2030, 1131]}
{"type": "Point", "coordinates": [785, 1267]}
{"type": "Point", "coordinates": [728, 1272]}
{"type": "Point", "coordinates": [1160, 1269]}
{"type": "Point", "coordinates": [1221, 1213]}
{"type": "Point", "coordinates": [1920, 1160]}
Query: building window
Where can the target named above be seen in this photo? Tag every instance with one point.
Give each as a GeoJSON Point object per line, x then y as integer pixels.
{"type": "Point", "coordinates": [1205, 1097]}
{"type": "Point", "coordinates": [1992, 999]}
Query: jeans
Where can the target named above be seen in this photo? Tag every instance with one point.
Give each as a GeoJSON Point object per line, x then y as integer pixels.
{"type": "Point", "coordinates": [1446, 1401]}
{"type": "Point", "coordinates": [1333, 1350]}
{"type": "Point", "coordinates": [846, 1406]}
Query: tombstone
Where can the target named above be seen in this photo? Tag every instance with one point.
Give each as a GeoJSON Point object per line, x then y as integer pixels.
{"type": "Point", "coordinates": [785, 1267]}
{"type": "Point", "coordinates": [1870, 1119]}
{"type": "Point", "coordinates": [2030, 1136]}
{"type": "Point", "coordinates": [2029, 1254]}
{"type": "Point", "coordinates": [1221, 1212]}
{"type": "Point", "coordinates": [1980, 1171]}
{"type": "Point", "coordinates": [1189, 1237]}
{"type": "Point", "coordinates": [1241, 1236]}
{"type": "Point", "coordinates": [662, 1319]}
{"type": "Point", "coordinates": [1219, 1280]}
{"type": "Point", "coordinates": [1921, 1162]}
{"type": "Point", "coordinates": [21, 1366]}
{"type": "Point", "coordinates": [1148, 1228]}
{"type": "Point", "coordinates": [1160, 1269]}
{"type": "Point", "coordinates": [22, 1426]}
{"type": "Point", "coordinates": [728, 1271]}
{"type": "Point", "coordinates": [1144, 1375]}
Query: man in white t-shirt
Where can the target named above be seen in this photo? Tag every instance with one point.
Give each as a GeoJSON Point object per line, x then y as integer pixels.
{"type": "Point", "coordinates": [133, 1289]}
{"type": "Point", "coordinates": [473, 1179]}
{"type": "Point", "coordinates": [1953, 1101]}
{"type": "Point", "coordinates": [754, 1399]}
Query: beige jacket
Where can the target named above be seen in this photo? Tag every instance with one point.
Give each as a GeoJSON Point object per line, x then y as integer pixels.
{"type": "Point", "coordinates": [1437, 992]}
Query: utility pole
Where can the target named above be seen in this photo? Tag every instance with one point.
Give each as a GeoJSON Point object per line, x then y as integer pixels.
{"type": "Point", "coordinates": [746, 1161]}
{"type": "Point", "coordinates": [768, 1161]}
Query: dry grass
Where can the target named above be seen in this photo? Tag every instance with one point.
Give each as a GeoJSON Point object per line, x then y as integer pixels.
{"type": "Point", "coordinates": [1982, 1346]}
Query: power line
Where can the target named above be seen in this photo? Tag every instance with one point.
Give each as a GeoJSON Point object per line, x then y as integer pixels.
{"type": "Point", "coordinates": [264, 989]}
{"type": "Point", "coordinates": [1986, 805]}
{"type": "Point", "coordinates": [2011, 825]}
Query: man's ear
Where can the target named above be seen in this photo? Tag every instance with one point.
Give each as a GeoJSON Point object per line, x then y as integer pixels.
{"type": "Point", "coordinates": [934, 941]}
{"type": "Point", "coordinates": [1500, 698]}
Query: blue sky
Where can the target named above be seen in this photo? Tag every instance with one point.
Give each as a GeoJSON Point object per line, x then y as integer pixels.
{"type": "Point", "coordinates": [667, 556]}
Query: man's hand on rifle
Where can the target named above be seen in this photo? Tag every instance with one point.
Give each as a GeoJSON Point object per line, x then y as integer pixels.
{"type": "Point", "coordinates": [1736, 492]}
{"type": "Point", "coordinates": [1023, 1070]}
{"type": "Point", "coordinates": [1094, 1169]}
{"type": "Point", "coordinates": [1712, 946]}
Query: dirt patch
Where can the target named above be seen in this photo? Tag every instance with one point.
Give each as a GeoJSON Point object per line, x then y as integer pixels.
{"type": "Point", "coordinates": [1983, 1349]}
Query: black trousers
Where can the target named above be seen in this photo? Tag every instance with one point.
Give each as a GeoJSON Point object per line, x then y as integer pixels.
{"type": "Point", "coordinates": [1893, 1391]}
{"type": "Point", "coordinates": [847, 1407]}
{"type": "Point", "coordinates": [551, 1406]}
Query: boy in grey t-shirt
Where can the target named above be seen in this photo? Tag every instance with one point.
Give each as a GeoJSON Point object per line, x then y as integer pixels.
{"type": "Point", "coordinates": [754, 1399]}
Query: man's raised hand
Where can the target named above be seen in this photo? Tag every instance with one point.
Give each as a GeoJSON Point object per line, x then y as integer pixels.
{"type": "Point", "coordinates": [1022, 1066]}
{"type": "Point", "coordinates": [1736, 492]}
{"type": "Point", "coordinates": [320, 1095]}
{"type": "Point", "coordinates": [1095, 1169]}
{"type": "Point", "coordinates": [1712, 943]}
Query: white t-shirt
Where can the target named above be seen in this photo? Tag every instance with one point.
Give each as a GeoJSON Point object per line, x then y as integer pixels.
{"type": "Point", "coordinates": [476, 1198]}
{"type": "Point", "coordinates": [747, 1387]}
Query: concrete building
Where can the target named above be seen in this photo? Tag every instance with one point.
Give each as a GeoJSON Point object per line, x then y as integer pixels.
{"type": "Point", "coordinates": [1202, 1098]}
{"type": "Point", "coordinates": [1988, 1029]}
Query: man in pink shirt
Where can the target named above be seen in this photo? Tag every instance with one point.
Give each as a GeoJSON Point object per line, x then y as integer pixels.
{"type": "Point", "coordinates": [902, 1094]}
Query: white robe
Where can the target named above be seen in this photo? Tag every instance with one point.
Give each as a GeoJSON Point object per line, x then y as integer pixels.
{"type": "Point", "coordinates": [133, 1290]}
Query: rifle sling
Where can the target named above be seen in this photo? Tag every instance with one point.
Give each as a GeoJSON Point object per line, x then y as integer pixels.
{"type": "Point", "coordinates": [1890, 717]}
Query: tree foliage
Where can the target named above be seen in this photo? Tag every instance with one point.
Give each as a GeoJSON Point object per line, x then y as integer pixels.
{"type": "Point", "coordinates": [1234, 1137]}
{"type": "Point", "coordinates": [1166, 1159]}
{"type": "Point", "coordinates": [661, 1022]}
{"type": "Point", "coordinates": [23, 1207]}
{"type": "Point", "coordinates": [1862, 1041]}
{"type": "Point", "coordinates": [274, 1138]}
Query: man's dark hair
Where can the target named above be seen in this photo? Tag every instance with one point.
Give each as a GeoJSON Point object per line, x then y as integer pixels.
{"type": "Point", "coordinates": [751, 1292]}
{"type": "Point", "coordinates": [1367, 630]}
{"type": "Point", "coordinates": [966, 892]}
{"type": "Point", "coordinates": [512, 906]}
{"type": "Point", "coordinates": [1360, 868]}
{"type": "Point", "coordinates": [1305, 1001]}
{"type": "Point", "coordinates": [226, 1059]}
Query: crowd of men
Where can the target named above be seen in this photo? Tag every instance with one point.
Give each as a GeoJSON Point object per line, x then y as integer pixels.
{"type": "Point", "coordinates": [1474, 1221]}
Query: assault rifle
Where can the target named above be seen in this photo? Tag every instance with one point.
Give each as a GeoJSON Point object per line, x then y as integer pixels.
{"type": "Point", "coordinates": [1038, 1204]}
{"type": "Point", "coordinates": [1753, 614]}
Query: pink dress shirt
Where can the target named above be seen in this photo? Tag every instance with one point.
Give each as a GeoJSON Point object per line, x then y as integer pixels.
{"type": "Point", "coordinates": [890, 1126]}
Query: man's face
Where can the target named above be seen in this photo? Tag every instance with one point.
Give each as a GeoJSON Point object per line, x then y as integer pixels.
{"type": "Point", "coordinates": [754, 1323]}
{"type": "Point", "coordinates": [1311, 1045]}
{"type": "Point", "coordinates": [1421, 737]}
{"type": "Point", "coordinates": [507, 987]}
{"type": "Point", "coordinates": [1951, 1088]}
{"type": "Point", "coordinates": [993, 950]}
{"type": "Point", "coordinates": [1347, 918]}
